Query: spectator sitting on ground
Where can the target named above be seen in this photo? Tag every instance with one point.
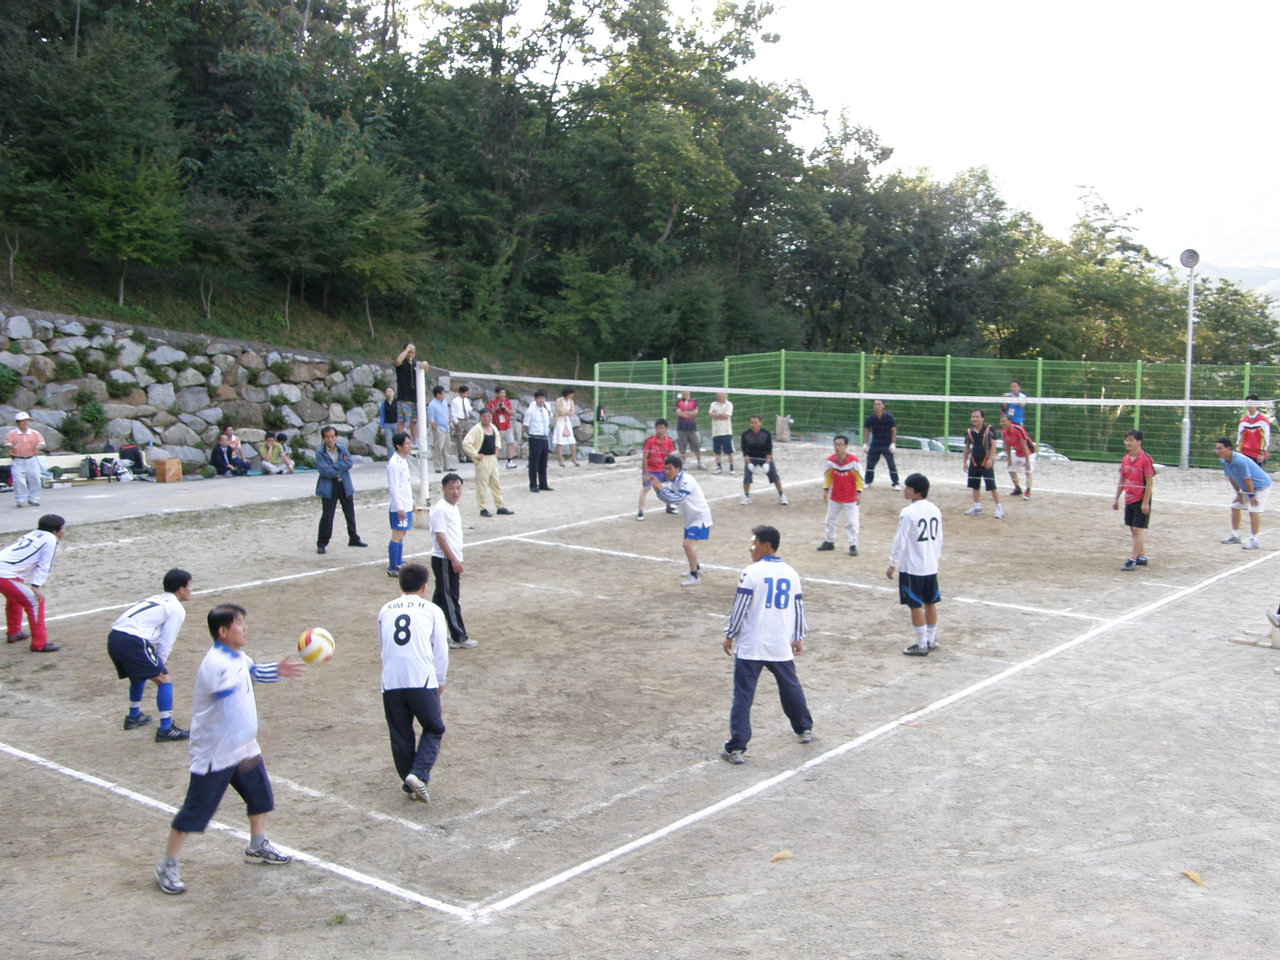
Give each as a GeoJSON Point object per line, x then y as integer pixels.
{"type": "Point", "coordinates": [224, 461]}
{"type": "Point", "coordinates": [275, 459]}
{"type": "Point", "coordinates": [236, 450]}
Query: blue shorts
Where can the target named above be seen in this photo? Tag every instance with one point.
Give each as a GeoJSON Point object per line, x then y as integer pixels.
{"type": "Point", "coordinates": [205, 790]}
{"type": "Point", "coordinates": [134, 657]}
{"type": "Point", "coordinates": [654, 474]}
{"type": "Point", "coordinates": [397, 525]}
{"type": "Point", "coordinates": [697, 533]}
{"type": "Point", "coordinates": [917, 589]}
{"type": "Point", "coordinates": [722, 443]}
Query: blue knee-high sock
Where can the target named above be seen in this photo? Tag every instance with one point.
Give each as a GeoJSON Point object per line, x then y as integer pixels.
{"type": "Point", "coordinates": [391, 554]}
{"type": "Point", "coordinates": [399, 548]}
{"type": "Point", "coordinates": [164, 703]}
{"type": "Point", "coordinates": [136, 687]}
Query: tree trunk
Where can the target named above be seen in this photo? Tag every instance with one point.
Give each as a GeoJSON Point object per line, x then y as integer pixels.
{"type": "Point", "coordinates": [369, 317]}
{"type": "Point", "coordinates": [12, 241]}
{"type": "Point", "coordinates": [124, 266]}
{"type": "Point", "coordinates": [671, 219]}
{"type": "Point", "coordinates": [288, 289]}
{"type": "Point", "coordinates": [206, 295]}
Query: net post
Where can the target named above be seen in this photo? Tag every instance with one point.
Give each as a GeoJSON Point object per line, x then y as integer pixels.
{"type": "Point", "coordinates": [1137, 395]}
{"type": "Point", "coordinates": [946, 404]}
{"type": "Point", "coordinates": [782, 382]}
{"type": "Point", "coordinates": [862, 388]}
{"type": "Point", "coordinates": [726, 374]}
{"type": "Point", "coordinates": [664, 384]}
{"type": "Point", "coordinates": [1248, 369]}
{"type": "Point", "coordinates": [1039, 393]}
{"type": "Point", "coordinates": [595, 408]}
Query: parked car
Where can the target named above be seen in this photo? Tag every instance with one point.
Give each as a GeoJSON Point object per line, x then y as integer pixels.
{"type": "Point", "coordinates": [953, 444]}
{"type": "Point", "coordinates": [909, 442]}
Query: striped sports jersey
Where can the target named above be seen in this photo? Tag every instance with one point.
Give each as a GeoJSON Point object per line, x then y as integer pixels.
{"type": "Point", "coordinates": [917, 547]}
{"type": "Point", "coordinates": [29, 558]}
{"type": "Point", "coordinates": [1253, 436]}
{"type": "Point", "coordinates": [768, 612]}
{"type": "Point", "coordinates": [685, 491]}
{"type": "Point", "coordinates": [844, 480]}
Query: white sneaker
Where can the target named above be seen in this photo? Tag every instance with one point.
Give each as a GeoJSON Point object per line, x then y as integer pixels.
{"type": "Point", "coordinates": [999, 512]}
{"type": "Point", "coordinates": [782, 499]}
{"type": "Point", "coordinates": [692, 580]}
{"type": "Point", "coordinates": [975, 509]}
{"type": "Point", "coordinates": [1234, 538]}
{"type": "Point", "coordinates": [745, 501]}
{"type": "Point", "coordinates": [639, 514]}
{"type": "Point", "coordinates": [1274, 618]}
{"type": "Point", "coordinates": [1251, 545]}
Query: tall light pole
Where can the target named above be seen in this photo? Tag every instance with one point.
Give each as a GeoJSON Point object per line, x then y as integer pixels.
{"type": "Point", "coordinates": [1189, 259]}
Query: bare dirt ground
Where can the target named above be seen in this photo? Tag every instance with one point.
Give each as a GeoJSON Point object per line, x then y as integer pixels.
{"type": "Point", "coordinates": [1035, 788]}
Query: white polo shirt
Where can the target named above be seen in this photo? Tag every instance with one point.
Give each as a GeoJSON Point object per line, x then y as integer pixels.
{"type": "Point", "coordinates": [446, 519]}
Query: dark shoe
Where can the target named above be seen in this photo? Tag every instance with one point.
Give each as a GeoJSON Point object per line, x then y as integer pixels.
{"type": "Point", "coordinates": [175, 732]}
{"type": "Point", "coordinates": [853, 549]}
{"type": "Point", "coordinates": [545, 488]}
{"type": "Point", "coordinates": [485, 513]}
{"type": "Point", "coordinates": [1017, 492]}
{"type": "Point", "coordinates": [733, 756]}
{"type": "Point", "coordinates": [319, 548]}
{"type": "Point", "coordinates": [1141, 560]}
{"type": "Point", "coordinates": [533, 489]}
{"type": "Point", "coordinates": [915, 650]}
{"type": "Point", "coordinates": [47, 648]}
{"type": "Point", "coordinates": [1130, 564]}
{"type": "Point", "coordinates": [826, 545]}
{"type": "Point", "coordinates": [671, 508]}
{"type": "Point", "coordinates": [19, 637]}
{"type": "Point", "coordinates": [393, 572]}
{"type": "Point", "coordinates": [132, 723]}
{"type": "Point", "coordinates": [357, 542]}
{"type": "Point", "coordinates": [504, 512]}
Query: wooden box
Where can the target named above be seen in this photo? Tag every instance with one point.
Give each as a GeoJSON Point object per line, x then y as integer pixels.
{"type": "Point", "coordinates": [168, 471]}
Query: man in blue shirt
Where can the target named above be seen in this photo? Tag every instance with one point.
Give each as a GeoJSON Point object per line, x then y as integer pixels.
{"type": "Point", "coordinates": [1252, 487]}
{"type": "Point", "coordinates": [1015, 405]}
{"type": "Point", "coordinates": [438, 419]}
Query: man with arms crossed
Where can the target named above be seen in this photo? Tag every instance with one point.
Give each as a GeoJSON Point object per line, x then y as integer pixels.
{"type": "Point", "coordinates": [916, 550]}
{"type": "Point", "coordinates": [721, 411]}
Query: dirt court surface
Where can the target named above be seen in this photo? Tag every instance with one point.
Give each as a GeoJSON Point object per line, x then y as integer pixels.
{"type": "Point", "coordinates": [1035, 788]}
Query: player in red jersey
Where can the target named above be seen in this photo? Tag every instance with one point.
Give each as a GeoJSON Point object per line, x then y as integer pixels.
{"type": "Point", "coordinates": [1019, 449]}
{"type": "Point", "coordinates": [653, 467]}
{"type": "Point", "coordinates": [502, 409]}
{"type": "Point", "coordinates": [840, 486]}
{"type": "Point", "coordinates": [1137, 472]}
{"type": "Point", "coordinates": [1253, 435]}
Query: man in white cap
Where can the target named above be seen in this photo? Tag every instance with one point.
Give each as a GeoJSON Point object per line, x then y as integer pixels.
{"type": "Point", "coordinates": [24, 443]}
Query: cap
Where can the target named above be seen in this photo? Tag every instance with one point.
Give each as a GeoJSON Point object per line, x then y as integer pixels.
{"type": "Point", "coordinates": [22, 415]}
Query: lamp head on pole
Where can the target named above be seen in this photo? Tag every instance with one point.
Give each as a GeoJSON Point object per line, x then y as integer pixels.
{"type": "Point", "coordinates": [1189, 258]}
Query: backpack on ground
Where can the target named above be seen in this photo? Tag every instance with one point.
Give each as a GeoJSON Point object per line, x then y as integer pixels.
{"type": "Point", "coordinates": [89, 469]}
{"type": "Point", "coordinates": [107, 467]}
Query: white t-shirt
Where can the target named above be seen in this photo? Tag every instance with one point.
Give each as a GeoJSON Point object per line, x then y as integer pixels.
{"type": "Point", "coordinates": [446, 519]}
{"type": "Point", "coordinates": [720, 428]}
{"type": "Point", "coordinates": [685, 491]}
{"type": "Point", "coordinates": [917, 547]}
{"type": "Point", "coordinates": [224, 713]}
{"type": "Point", "coordinates": [399, 485]}
{"type": "Point", "coordinates": [156, 620]}
{"type": "Point", "coordinates": [415, 643]}
{"type": "Point", "coordinates": [768, 612]}
{"type": "Point", "coordinates": [29, 558]}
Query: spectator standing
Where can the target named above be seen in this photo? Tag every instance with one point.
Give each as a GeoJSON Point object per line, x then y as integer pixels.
{"type": "Point", "coordinates": [334, 487]}
{"type": "Point", "coordinates": [460, 419]}
{"type": "Point", "coordinates": [562, 432]}
{"type": "Point", "coordinates": [502, 410]}
{"type": "Point", "coordinates": [389, 420]}
{"type": "Point", "coordinates": [841, 485]}
{"type": "Point", "coordinates": [880, 439]}
{"type": "Point", "coordinates": [407, 389]}
{"type": "Point", "coordinates": [438, 421]}
{"type": "Point", "coordinates": [979, 457]}
{"type": "Point", "coordinates": [721, 411]}
{"type": "Point", "coordinates": [687, 427]}
{"type": "Point", "coordinates": [24, 443]}
{"type": "Point", "coordinates": [1253, 435]}
{"type": "Point", "coordinates": [482, 444]}
{"type": "Point", "coordinates": [1252, 488]}
{"type": "Point", "coordinates": [1015, 403]}
{"type": "Point", "coordinates": [537, 429]}
{"type": "Point", "coordinates": [1137, 475]}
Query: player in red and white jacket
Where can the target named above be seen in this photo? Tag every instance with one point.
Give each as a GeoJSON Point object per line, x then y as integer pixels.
{"type": "Point", "coordinates": [1017, 447]}
{"type": "Point", "coordinates": [24, 567]}
{"type": "Point", "coordinates": [841, 484]}
{"type": "Point", "coordinates": [1253, 435]}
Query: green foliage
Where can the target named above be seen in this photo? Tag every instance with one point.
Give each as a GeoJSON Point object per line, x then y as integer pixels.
{"type": "Point", "coordinates": [94, 329]}
{"type": "Point", "coordinates": [9, 381]}
{"type": "Point", "coordinates": [273, 419]}
{"type": "Point", "coordinates": [277, 400]}
{"type": "Point", "coordinates": [67, 368]}
{"type": "Point", "coordinates": [282, 369]}
{"type": "Point", "coordinates": [92, 413]}
{"type": "Point", "coordinates": [154, 370]}
{"type": "Point", "coordinates": [91, 364]}
{"type": "Point", "coordinates": [381, 382]}
{"type": "Point", "coordinates": [202, 365]}
{"type": "Point", "coordinates": [119, 388]}
{"type": "Point", "coordinates": [252, 375]}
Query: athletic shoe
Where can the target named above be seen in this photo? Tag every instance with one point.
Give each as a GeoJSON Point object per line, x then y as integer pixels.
{"type": "Point", "coordinates": [1017, 492]}
{"type": "Point", "coordinates": [393, 571]}
{"type": "Point", "coordinates": [319, 548]}
{"type": "Point", "coordinates": [47, 648]}
{"type": "Point", "coordinates": [853, 549]}
{"type": "Point", "coordinates": [414, 783]}
{"type": "Point", "coordinates": [745, 501]}
{"type": "Point", "coordinates": [265, 854]}
{"type": "Point", "coordinates": [639, 514]}
{"type": "Point", "coordinates": [18, 637]}
{"type": "Point", "coordinates": [1142, 559]}
{"type": "Point", "coordinates": [504, 512]}
{"type": "Point", "coordinates": [894, 487]}
{"type": "Point", "coordinates": [20, 505]}
{"type": "Point", "coordinates": [357, 542]}
{"type": "Point", "coordinates": [671, 508]}
{"type": "Point", "coordinates": [999, 512]}
{"type": "Point", "coordinates": [805, 736]}
{"type": "Point", "coordinates": [1027, 495]}
{"type": "Point", "coordinates": [692, 580]}
{"type": "Point", "coordinates": [546, 488]}
{"type": "Point", "coordinates": [718, 468]}
{"type": "Point", "coordinates": [1252, 544]}
{"type": "Point", "coordinates": [826, 545]}
{"type": "Point", "coordinates": [485, 513]}
{"type": "Point", "coordinates": [733, 756]}
{"type": "Point", "coordinates": [168, 879]}
{"type": "Point", "coordinates": [466, 643]}
{"type": "Point", "coordinates": [174, 732]}
{"type": "Point", "coordinates": [1234, 538]}
{"type": "Point", "coordinates": [1274, 618]}
{"type": "Point", "coordinates": [1130, 564]}
{"type": "Point", "coordinates": [915, 650]}
{"type": "Point", "coordinates": [511, 465]}
{"type": "Point", "coordinates": [731, 468]}
{"type": "Point", "coordinates": [782, 499]}
{"type": "Point", "coordinates": [132, 723]}
{"type": "Point", "coordinates": [974, 510]}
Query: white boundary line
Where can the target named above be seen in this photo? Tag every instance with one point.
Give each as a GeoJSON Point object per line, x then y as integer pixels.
{"type": "Point", "coordinates": [347, 873]}
{"type": "Point", "coordinates": [880, 731]}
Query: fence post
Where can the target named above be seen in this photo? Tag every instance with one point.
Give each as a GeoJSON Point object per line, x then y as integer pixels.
{"type": "Point", "coordinates": [1039, 393]}
{"type": "Point", "coordinates": [664, 391]}
{"type": "Point", "coordinates": [1137, 395]}
{"type": "Point", "coordinates": [726, 373]}
{"type": "Point", "coordinates": [595, 409]}
{"type": "Point", "coordinates": [862, 388]}
{"type": "Point", "coordinates": [1247, 370]}
{"type": "Point", "coordinates": [782, 382]}
{"type": "Point", "coordinates": [946, 404]}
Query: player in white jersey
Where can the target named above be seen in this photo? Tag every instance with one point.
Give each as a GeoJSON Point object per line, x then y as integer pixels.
{"type": "Point", "coordinates": [680, 488]}
{"type": "Point", "coordinates": [139, 645]}
{"type": "Point", "coordinates": [415, 659]}
{"type": "Point", "coordinates": [224, 744]}
{"type": "Point", "coordinates": [916, 550]}
{"type": "Point", "coordinates": [765, 632]}
{"type": "Point", "coordinates": [24, 567]}
{"type": "Point", "coordinates": [400, 489]}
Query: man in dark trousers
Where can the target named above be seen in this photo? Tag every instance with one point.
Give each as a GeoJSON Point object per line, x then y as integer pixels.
{"type": "Point", "coordinates": [880, 439]}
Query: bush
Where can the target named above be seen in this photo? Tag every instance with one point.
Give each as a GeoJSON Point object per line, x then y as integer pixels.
{"type": "Point", "coordinates": [380, 382]}
{"type": "Point", "coordinates": [281, 369]}
{"type": "Point", "coordinates": [90, 411]}
{"type": "Point", "coordinates": [75, 431]}
{"type": "Point", "coordinates": [201, 365]}
{"type": "Point", "coordinates": [154, 369]}
{"type": "Point", "coordinates": [89, 365]}
{"type": "Point", "coordinates": [93, 329]}
{"type": "Point", "coordinates": [119, 388]}
{"type": "Point", "coordinates": [9, 381]}
{"type": "Point", "coordinates": [253, 375]}
{"type": "Point", "coordinates": [273, 419]}
{"type": "Point", "coordinates": [277, 400]}
{"type": "Point", "coordinates": [68, 368]}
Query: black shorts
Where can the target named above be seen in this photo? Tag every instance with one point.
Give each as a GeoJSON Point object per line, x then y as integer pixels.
{"type": "Point", "coordinates": [205, 790]}
{"type": "Point", "coordinates": [134, 657]}
{"type": "Point", "coordinates": [917, 589]}
{"type": "Point", "coordinates": [1134, 517]}
{"type": "Point", "coordinates": [722, 443]}
{"type": "Point", "coordinates": [978, 473]}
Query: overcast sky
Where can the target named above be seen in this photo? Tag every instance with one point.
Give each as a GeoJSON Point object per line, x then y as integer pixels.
{"type": "Point", "coordinates": [1170, 108]}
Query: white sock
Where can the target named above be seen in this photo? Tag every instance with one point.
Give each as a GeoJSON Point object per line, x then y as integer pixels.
{"type": "Point", "coordinates": [922, 637]}
{"type": "Point", "coordinates": [931, 634]}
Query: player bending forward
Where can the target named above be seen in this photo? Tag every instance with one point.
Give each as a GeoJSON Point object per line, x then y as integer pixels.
{"type": "Point", "coordinates": [682, 489]}
{"type": "Point", "coordinates": [916, 550]}
{"type": "Point", "coordinates": [224, 744]}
